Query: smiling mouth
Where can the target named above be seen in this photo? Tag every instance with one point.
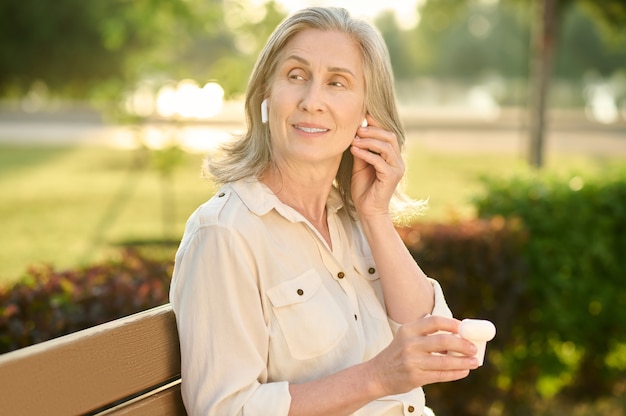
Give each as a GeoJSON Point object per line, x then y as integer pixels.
{"type": "Point", "coordinates": [310, 129]}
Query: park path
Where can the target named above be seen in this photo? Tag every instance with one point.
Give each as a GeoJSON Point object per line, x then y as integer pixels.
{"type": "Point", "coordinates": [439, 130]}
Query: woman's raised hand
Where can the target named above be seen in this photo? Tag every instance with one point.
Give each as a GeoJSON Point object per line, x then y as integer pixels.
{"type": "Point", "coordinates": [417, 356]}
{"type": "Point", "coordinates": [378, 168]}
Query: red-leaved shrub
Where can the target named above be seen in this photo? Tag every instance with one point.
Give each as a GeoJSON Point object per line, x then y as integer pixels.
{"type": "Point", "coordinates": [47, 303]}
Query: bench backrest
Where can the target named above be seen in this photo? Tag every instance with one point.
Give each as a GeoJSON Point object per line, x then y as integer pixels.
{"type": "Point", "coordinates": [127, 366]}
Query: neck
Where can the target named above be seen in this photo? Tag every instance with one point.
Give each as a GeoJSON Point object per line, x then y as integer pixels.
{"type": "Point", "coordinates": [307, 194]}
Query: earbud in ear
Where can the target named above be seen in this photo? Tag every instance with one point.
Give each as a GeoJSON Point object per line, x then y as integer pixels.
{"type": "Point", "coordinates": [264, 116]}
{"type": "Point", "coordinates": [364, 123]}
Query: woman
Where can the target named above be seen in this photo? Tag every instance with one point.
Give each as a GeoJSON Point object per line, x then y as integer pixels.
{"type": "Point", "coordinates": [293, 293]}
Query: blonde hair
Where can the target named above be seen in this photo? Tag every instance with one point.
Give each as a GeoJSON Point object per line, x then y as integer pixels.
{"type": "Point", "coordinates": [250, 155]}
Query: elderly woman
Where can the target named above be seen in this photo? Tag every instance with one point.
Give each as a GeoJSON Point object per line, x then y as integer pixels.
{"type": "Point", "coordinates": [293, 293]}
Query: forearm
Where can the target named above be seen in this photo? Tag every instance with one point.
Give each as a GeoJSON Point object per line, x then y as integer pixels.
{"type": "Point", "coordinates": [341, 393]}
{"type": "Point", "coordinates": [408, 293]}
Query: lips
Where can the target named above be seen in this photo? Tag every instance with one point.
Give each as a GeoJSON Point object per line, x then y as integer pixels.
{"type": "Point", "coordinates": [307, 129]}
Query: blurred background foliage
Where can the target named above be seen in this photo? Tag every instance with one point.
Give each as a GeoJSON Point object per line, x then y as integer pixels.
{"type": "Point", "coordinates": [93, 50]}
{"type": "Point", "coordinates": [97, 50]}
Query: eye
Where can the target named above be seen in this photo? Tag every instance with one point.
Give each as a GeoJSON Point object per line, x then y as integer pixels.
{"type": "Point", "coordinates": [338, 81]}
{"type": "Point", "coordinates": [296, 75]}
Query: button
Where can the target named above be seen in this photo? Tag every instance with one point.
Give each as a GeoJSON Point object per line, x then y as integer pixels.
{"type": "Point", "coordinates": [371, 270]}
{"type": "Point", "coordinates": [221, 195]}
{"type": "Point", "coordinates": [300, 292]}
{"type": "Point", "coordinates": [355, 317]}
{"type": "Point", "coordinates": [411, 409]}
{"type": "Point", "coordinates": [341, 275]}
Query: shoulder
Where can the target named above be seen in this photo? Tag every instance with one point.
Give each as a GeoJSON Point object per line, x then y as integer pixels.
{"type": "Point", "coordinates": [211, 211]}
{"type": "Point", "coordinates": [218, 222]}
{"type": "Point", "coordinates": [236, 206]}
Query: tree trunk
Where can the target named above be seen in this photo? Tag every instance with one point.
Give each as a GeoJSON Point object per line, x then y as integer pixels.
{"type": "Point", "coordinates": [542, 50]}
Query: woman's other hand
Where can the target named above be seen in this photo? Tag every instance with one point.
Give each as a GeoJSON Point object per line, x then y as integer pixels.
{"type": "Point", "coordinates": [418, 356]}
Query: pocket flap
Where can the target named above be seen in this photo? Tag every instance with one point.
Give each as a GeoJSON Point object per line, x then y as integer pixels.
{"type": "Point", "coordinates": [366, 267]}
{"type": "Point", "coordinates": [296, 290]}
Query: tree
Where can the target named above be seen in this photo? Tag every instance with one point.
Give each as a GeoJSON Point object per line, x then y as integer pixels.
{"type": "Point", "coordinates": [447, 25]}
{"type": "Point", "coordinates": [541, 66]}
{"type": "Point", "coordinates": [248, 31]}
{"type": "Point", "coordinates": [102, 48]}
{"type": "Point", "coordinates": [611, 15]}
{"type": "Point", "coordinates": [75, 46]}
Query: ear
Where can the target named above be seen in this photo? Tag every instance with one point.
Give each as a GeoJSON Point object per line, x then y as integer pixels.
{"type": "Point", "coordinates": [264, 113]}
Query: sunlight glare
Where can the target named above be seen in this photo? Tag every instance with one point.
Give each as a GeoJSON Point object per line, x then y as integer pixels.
{"type": "Point", "coordinates": [601, 105]}
{"type": "Point", "coordinates": [188, 101]}
{"type": "Point", "coordinates": [480, 99]}
{"type": "Point", "coordinates": [166, 101]}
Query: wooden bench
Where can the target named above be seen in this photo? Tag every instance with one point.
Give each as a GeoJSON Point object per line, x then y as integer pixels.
{"type": "Point", "coordinates": [130, 366]}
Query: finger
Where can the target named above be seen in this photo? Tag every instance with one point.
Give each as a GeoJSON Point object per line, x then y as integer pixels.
{"type": "Point", "coordinates": [440, 343]}
{"type": "Point", "coordinates": [445, 376]}
{"type": "Point", "coordinates": [385, 171]}
{"type": "Point", "coordinates": [360, 162]}
{"type": "Point", "coordinates": [445, 343]}
{"type": "Point", "coordinates": [376, 126]}
{"type": "Point", "coordinates": [437, 362]}
{"type": "Point", "coordinates": [378, 147]}
{"type": "Point", "coordinates": [370, 151]}
{"type": "Point", "coordinates": [380, 153]}
{"type": "Point", "coordinates": [382, 144]}
{"type": "Point", "coordinates": [363, 157]}
{"type": "Point", "coordinates": [379, 133]}
{"type": "Point", "coordinates": [432, 324]}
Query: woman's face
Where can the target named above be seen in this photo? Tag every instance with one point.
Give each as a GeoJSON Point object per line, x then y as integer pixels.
{"type": "Point", "coordinates": [317, 98]}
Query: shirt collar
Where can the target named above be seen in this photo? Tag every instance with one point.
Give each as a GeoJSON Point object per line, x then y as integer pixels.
{"type": "Point", "coordinates": [260, 200]}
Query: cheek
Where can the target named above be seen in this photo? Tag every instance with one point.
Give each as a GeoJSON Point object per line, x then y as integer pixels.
{"type": "Point", "coordinates": [352, 124]}
{"type": "Point", "coordinates": [357, 112]}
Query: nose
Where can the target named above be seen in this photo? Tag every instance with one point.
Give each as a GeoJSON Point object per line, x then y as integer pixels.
{"type": "Point", "coordinates": [312, 100]}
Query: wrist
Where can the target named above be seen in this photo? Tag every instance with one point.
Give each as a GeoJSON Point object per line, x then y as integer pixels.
{"type": "Point", "coordinates": [374, 386]}
{"type": "Point", "coordinates": [372, 223]}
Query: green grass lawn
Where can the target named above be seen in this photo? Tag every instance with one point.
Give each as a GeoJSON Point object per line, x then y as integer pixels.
{"type": "Point", "coordinates": [73, 206]}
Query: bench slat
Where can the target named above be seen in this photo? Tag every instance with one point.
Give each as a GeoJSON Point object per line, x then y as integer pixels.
{"type": "Point", "coordinates": [90, 369]}
{"type": "Point", "coordinates": [167, 401]}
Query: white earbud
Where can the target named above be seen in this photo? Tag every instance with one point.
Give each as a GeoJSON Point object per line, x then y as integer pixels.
{"type": "Point", "coordinates": [364, 123]}
{"type": "Point", "coordinates": [264, 116]}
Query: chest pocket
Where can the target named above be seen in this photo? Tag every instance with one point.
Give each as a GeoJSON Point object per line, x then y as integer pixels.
{"type": "Point", "coordinates": [309, 318]}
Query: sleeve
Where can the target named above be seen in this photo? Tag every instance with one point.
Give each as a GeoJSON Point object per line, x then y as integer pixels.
{"type": "Point", "coordinates": [440, 307]}
{"type": "Point", "coordinates": [223, 335]}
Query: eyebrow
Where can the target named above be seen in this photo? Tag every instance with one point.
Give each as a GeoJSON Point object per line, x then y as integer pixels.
{"type": "Point", "coordinates": [330, 69]}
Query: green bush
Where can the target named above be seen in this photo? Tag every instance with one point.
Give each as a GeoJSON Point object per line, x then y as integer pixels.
{"type": "Point", "coordinates": [571, 339]}
{"type": "Point", "coordinates": [47, 304]}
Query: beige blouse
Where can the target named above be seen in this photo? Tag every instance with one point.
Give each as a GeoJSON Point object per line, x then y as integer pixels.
{"type": "Point", "coordinates": [262, 301]}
